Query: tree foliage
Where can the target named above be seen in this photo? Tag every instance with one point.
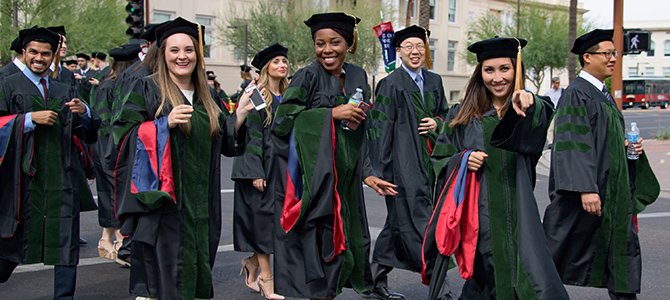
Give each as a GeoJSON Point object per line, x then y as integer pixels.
{"type": "Point", "coordinates": [90, 25]}
{"type": "Point", "coordinates": [272, 22]}
{"type": "Point", "coordinates": [546, 30]}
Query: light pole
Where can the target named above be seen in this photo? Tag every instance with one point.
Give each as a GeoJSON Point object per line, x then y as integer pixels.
{"type": "Point", "coordinates": [246, 39]}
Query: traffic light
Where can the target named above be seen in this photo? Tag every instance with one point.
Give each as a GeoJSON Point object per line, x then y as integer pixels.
{"type": "Point", "coordinates": [635, 41]}
{"type": "Point", "coordinates": [135, 19]}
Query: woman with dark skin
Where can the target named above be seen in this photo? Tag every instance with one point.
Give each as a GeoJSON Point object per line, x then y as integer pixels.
{"type": "Point", "coordinates": [322, 241]}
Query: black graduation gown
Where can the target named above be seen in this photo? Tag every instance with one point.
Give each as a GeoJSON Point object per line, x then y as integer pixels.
{"type": "Point", "coordinates": [254, 211]}
{"type": "Point", "coordinates": [401, 156]}
{"type": "Point", "coordinates": [104, 155]}
{"type": "Point", "coordinates": [8, 69]}
{"type": "Point", "coordinates": [41, 202]}
{"type": "Point", "coordinates": [305, 265]}
{"type": "Point", "coordinates": [589, 156]}
{"type": "Point", "coordinates": [174, 244]}
{"type": "Point", "coordinates": [66, 77]}
{"type": "Point", "coordinates": [511, 260]}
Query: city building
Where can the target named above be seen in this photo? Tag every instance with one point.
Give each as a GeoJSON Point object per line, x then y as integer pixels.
{"type": "Point", "coordinates": [448, 23]}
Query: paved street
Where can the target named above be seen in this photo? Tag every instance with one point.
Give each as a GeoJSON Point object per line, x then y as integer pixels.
{"type": "Point", "coordinates": [102, 279]}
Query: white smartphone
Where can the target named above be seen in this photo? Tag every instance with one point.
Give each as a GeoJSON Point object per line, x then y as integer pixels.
{"type": "Point", "coordinates": [256, 97]}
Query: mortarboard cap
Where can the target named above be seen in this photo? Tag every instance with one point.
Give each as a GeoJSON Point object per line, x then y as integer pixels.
{"type": "Point", "coordinates": [211, 75]}
{"type": "Point", "coordinates": [587, 40]}
{"type": "Point", "coordinates": [180, 25]}
{"type": "Point", "coordinates": [245, 68]}
{"type": "Point", "coordinates": [58, 29]}
{"type": "Point", "coordinates": [408, 32]}
{"type": "Point", "coordinates": [125, 52]}
{"type": "Point", "coordinates": [264, 56]}
{"type": "Point", "coordinates": [100, 55]}
{"type": "Point", "coordinates": [16, 45]}
{"type": "Point", "coordinates": [344, 24]}
{"type": "Point", "coordinates": [39, 34]}
{"type": "Point", "coordinates": [149, 33]}
{"type": "Point", "coordinates": [497, 47]}
{"type": "Point", "coordinates": [83, 55]}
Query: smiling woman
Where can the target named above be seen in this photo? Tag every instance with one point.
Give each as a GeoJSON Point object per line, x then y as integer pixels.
{"type": "Point", "coordinates": [322, 216]}
{"type": "Point", "coordinates": [178, 228]}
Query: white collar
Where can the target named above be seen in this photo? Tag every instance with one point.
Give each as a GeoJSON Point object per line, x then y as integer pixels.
{"type": "Point", "coordinates": [591, 79]}
{"type": "Point", "coordinates": [19, 64]}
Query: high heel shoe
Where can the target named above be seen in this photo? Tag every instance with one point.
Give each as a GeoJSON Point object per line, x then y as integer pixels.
{"type": "Point", "coordinates": [267, 286]}
{"type": "Point", "coordinates": [251, 279]}
{"type": "Point", "coordinates": [105, 252]}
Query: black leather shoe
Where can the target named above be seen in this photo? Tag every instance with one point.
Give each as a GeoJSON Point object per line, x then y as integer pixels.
{"type": "Point", "coordinates": [384, 294]}
{"type": "Point", "coordinates": [82, 241]}
{"type": "Point", "coordinates": [368, 295]}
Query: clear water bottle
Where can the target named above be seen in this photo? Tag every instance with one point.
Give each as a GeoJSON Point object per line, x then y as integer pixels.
{"type": "Point", "coordinates": [355, 99]}
{"type": "Point", "coordinates": [631, 135]}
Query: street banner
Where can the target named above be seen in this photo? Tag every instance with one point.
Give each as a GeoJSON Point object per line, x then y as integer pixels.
{"type": "Point", "coordinates": [384, 32]}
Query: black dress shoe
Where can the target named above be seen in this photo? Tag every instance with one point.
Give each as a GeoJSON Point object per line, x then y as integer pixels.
{"type": "Point", "coordinates": [368, 295]}
{"type": "Point", "coordinates": [82, 241]}
{"type": "Point", "coordinates": [384, 294]}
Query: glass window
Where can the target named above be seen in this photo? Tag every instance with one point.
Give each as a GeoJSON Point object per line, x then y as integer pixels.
{"type": "Point", "coordinates": [652, 47]}
{"type": "Point", "coordinates": [431, 44]}
{"type": "Point", "coordinates": [451, 17]}
{"type": "Point", "coordinates": [666, 50]}
{"type": "Point", "coordinates": [649, 71]}
{"type": "Point", "coordinates": [433, 10]}
{"type": "Point", "coordinates": [451, 55]}
{"type": "Point", "coordinates": [208, 22]}
{"type": "Point", "coordinates": [161, 16]}
{"type": "Point", "coordinates": [453, 96]}
{"type": "Point", "coordinates": [632, 71]}
{"type": "Point", "coordinates": [666, 71]}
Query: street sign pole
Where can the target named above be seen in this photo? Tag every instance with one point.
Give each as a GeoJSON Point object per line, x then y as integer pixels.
{"type": "Point", "coordinates": [617, 82]}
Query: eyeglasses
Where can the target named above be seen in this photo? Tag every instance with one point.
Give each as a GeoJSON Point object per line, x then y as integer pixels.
{"type": "Point", "coordinates": [409, 47]}
{"type": "Point", "coordinates": [608, 54]}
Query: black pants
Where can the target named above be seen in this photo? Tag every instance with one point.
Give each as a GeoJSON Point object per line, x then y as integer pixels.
{"type": "Point", "coordinates": [65, 278]}
{"type": "Point", "coordinates": [380, 274]}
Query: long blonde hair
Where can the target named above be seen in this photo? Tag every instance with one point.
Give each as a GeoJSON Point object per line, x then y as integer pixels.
{"type": "Point", "coordinates": [263, 81]}
{"type": "Point", "coordinates": [169, 92]}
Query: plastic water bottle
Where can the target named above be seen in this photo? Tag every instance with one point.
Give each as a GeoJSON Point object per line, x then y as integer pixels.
{"type": "Point", "coordinates": [632, 136]}
{"type": "Point", "coordinates": [355, 99]}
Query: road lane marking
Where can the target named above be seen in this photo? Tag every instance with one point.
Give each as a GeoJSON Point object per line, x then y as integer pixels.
{"type": "Point", "coordinates": [374, 232]}
{"type": "Point", "coordinates": [654, 215]}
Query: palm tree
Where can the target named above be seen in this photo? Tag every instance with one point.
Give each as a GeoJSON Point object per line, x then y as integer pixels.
{"type": "Point", "coordinates": [572, 35]}
{"type": "Point", "coordinates": [424, 13]}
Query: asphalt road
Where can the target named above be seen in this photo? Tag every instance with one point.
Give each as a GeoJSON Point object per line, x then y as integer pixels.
{"type": "Point", "coordinates": [649, 121]}
{"type": "Point", "coordinates": [102, 279]}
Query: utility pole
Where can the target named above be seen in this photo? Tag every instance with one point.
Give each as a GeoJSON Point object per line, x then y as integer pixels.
{"type": "Point", "coordinates": [617, 83]}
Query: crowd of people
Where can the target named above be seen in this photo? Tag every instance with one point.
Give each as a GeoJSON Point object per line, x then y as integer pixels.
{"type": "Point", "coordinates": [458, 181]}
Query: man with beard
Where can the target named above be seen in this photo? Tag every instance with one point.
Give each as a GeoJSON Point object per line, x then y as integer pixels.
{"type": "Point", "coordinates": [409, 108]}
{"type": "Point", "coordinates": [42, 191]}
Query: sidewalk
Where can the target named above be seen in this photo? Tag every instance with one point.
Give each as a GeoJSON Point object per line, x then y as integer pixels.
{"type": "Point", "coordinates": [658, 153]}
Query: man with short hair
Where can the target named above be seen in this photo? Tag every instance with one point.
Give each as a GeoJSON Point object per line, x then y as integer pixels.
{"type": "Point", "coordinates": [409, 108]}
{"type": "Point", "coordinates": [591, 223]}
{"type": "Point", "coordinates": [42, 188]}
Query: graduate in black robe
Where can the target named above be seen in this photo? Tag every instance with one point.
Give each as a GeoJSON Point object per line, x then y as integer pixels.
{"type": "Point", "coordinates": [17, 63]}
{"type": "Point", "coordinates": [591, 223]}
{"type": "Point", "coordinates": [175, 202]}
{"type": "Point", "coordinates": [506, 126]}
{"type": "Point", "coordinates": [104, 152]}
{"type": "Point", "coordinates": [254, 206]}
{"type": "Point", "coordinates": [409, 108]}
{"type": "Point", "coordinates": [322, 233]}
{"type": "Point", "coordinates": [44, 189]}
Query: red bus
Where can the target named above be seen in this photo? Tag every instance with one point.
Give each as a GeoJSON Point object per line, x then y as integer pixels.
{"type": "Point", "coordinates": [646, 92]}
